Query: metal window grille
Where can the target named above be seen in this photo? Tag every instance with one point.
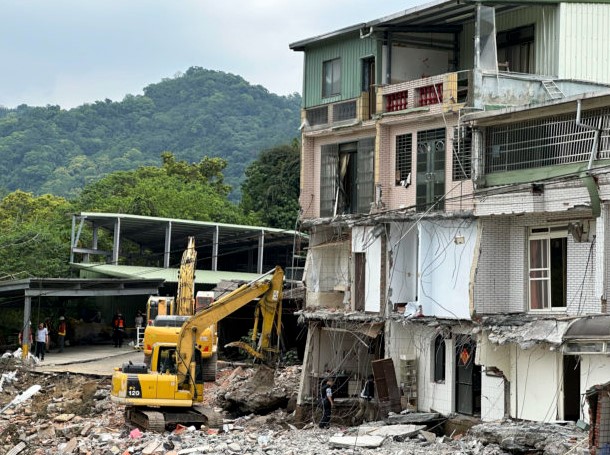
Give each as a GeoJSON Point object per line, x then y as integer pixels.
{"type": "Point", "coordinates": [317, 116]}
{"type": "Point", "coordinates": [404, 165]}
{"type": "Point", "coordinates": [545, 142]}
{"type": "Point", "coordinates": [344, 111]}
{"type": "Point", "coordinates": [462, 153]}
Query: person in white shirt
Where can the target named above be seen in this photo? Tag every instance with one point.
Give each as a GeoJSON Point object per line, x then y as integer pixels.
{"type": "Point", "coordinates": [42, 338]}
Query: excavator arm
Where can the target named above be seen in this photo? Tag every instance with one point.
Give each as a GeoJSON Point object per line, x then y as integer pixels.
{"type": "Point", "coordinates": [269, 306]}
{"type": "Point", "coordinates": [185, 300]}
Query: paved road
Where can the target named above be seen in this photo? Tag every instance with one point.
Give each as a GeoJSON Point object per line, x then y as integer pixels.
{"type": "Point", "coordinates": [93, 360]}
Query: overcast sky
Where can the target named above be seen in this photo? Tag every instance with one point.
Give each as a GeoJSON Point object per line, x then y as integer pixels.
{"type": "Point", "coordinates": [71, 52]}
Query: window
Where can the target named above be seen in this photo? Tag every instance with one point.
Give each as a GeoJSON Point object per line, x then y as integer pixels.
{"type": "Point", "coordinates": [404, 146]}
{"type": "Point", "coordinates": [347, 177]}
{"type": "Point", "coordinates": [439, 359]}
{"type": "Point", "coordinates": [331, 82]}
{"type": "Point", "coordinates": [462, 153]}
{"type": "Point", "coordinates": [516, 49]}
{"type": "Point", "coordinates": [548, 267]}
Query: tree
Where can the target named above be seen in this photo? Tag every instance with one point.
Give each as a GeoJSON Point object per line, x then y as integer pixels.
{"type": "Point", "coordinates": [34, 235]}
{"type": "Point", "coordinates": [175, 190]}
{"type": "Point", "coordinates": [271, 186]}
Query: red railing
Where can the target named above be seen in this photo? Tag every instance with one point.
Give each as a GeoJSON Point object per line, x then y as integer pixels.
{"type": "Point", "coordinates": [397, 101]}
{"type": "Point", "coordinates": [431, 94]}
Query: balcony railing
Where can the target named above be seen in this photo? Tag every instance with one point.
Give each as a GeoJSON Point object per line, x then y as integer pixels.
{"type": "Point", "coordinates": [545, 142]}
{"type": "Point", "coordinates": [441, 90]}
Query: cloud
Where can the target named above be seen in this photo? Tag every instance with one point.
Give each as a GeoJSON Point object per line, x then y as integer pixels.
{"type": "Point", "coordinates": [70, 52]}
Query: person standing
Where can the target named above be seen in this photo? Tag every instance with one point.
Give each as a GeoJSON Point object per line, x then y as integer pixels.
{"type": "Point", "coordinates": [61, 333]}
{"type": "Point", "coordinates": [365, 405]}
{"type": "Point", "coordinates": [42, 338]}
{"type": "Point", "coordinates": [139, 320]}
{"type": "Point", "coordinates": [118, 329]}
{"type": "Point", "coordinates": [326, 394]}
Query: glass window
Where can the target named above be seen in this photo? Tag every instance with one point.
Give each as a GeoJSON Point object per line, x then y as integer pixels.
{"type": "Point", "coordinates": [331, 83]}
{"type": "Point", "coordinates": [547, 268]}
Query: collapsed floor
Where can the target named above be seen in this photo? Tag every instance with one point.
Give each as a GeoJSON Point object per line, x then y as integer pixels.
{"type": "Point", "coordinates": [73, 414]}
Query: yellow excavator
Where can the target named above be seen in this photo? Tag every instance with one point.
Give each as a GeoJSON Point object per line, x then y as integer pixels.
{"type": "Point", "coordinates": [170, 391]}
{"type": "Point", "coordinates": [165, 327]}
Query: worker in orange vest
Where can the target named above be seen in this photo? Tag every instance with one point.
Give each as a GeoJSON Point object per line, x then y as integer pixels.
{"type": "Point", "coordinates": [62, 329]}
{"type": "Point", "coordinates": [118, 329]}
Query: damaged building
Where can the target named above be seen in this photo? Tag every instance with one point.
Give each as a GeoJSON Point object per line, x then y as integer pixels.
{"type": "Point", "coordinates": [453, 186]}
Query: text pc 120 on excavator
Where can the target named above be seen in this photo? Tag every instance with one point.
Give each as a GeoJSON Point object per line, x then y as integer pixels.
{"type": "Point", "coordinates": [170, 390]}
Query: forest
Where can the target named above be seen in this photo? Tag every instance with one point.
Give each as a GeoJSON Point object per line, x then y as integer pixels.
{"type": "Point", "coordinates": [204, 146]}
{"type": "Point", "coordinates": [200, 113]}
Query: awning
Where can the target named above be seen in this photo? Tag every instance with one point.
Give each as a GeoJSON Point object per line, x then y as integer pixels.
{"type": "Point", "coordinates": [589, 328]}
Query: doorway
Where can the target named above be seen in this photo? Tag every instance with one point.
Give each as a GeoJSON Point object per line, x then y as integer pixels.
{"type": "Point", "coordinates": [368, 84]}
{"type": "Point", "coordinates": [571, 387]}
{"type": "Point", "coordinates": [467, 377]}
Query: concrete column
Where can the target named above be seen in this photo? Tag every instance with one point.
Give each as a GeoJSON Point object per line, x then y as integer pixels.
{"type": "Point", "coordinates": [25, 333]}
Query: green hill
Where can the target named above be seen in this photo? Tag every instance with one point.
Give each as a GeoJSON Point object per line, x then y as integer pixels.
{"type": "Point", "coordinates": [200, 113]}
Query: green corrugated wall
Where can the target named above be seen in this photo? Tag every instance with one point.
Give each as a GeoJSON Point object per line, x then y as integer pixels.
{"type": "Point", "coordinates": [351, 50]}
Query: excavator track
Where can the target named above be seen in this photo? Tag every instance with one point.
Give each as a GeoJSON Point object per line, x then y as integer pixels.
{"type": "Point", "coordinates": [146, 419]}
{"type": "Point", "coordinates": [153, 420]}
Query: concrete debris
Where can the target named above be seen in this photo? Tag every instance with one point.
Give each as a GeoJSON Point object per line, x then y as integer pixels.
{"type": "Point", "coordinates": [22, 397]}
{"type": "Point", "coordinates": [414, 417]}
{"type": "Point", "coordinates": [69, 417]}
{"type": "Point", "coordinates": [258, 390]}
{"type": "Point", "coordinates": [397, 432]}
{"type": "Point", "coordinates": [526, 437]}
{"type": "Point", "coordinates": [525, 331]}
{"type": "Point", "coordinates": [369, 442]}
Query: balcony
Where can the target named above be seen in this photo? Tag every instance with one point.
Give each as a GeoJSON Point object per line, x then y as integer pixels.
{"type": "Point", "coordinates": [439, 92]}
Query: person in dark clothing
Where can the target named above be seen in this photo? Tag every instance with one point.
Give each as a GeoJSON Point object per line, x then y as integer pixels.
{"type": "Point", "coordinates": [366, 408]}
{"type": "Point", "coordinates": [118, 329]}
{"type": "Point", "coordinates": [326, 395]}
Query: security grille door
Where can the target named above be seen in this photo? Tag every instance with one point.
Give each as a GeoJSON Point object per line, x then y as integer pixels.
{"type": "Point", "coordinates": [328, 179]}
{"type": "Point", "coordinates": [366, 177]}
{"type": "Point", "coordinates": [430, 169]}
{"type": "Point", "coordinates": [467, 378]}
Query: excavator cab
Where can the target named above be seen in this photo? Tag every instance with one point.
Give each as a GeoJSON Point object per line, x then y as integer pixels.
{"type": "Point", "coordinates": [170, 389]}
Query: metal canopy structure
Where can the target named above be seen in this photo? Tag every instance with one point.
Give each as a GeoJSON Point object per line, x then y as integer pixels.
{"type": "Point", "coordinates": [434, 17]}
{"type": "Point", "coordinates": [71, 287]}
{"type": "Point", "coordinates": [77, 287]}
{"type": "Point", "coordinates": [235, 247]}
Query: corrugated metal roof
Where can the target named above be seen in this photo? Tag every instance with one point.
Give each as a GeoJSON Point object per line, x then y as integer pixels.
{"type": "Point", "coordinates": [169, 275]}
{"type": "Point", "coordinates": [435, 15]}
{"type": "Point", "coordinates": [150, 231]}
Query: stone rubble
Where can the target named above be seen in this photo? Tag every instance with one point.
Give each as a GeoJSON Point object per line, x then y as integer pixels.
{"type": "Point", "coordinates": [73, 414]}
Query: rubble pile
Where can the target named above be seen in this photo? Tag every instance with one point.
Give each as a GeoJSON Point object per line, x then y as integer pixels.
{"type": "Point", "coordinates": [527, 437]}
{"type": "Point", "coordinates": [72, 414]}
{"type": "Point", "coordinates": [259, 390]}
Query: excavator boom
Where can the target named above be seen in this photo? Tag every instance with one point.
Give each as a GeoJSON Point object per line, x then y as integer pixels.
{"type": "Point", "coordinates": [271, 298]}
{"type": "Point", "coordinates": [170, 389]}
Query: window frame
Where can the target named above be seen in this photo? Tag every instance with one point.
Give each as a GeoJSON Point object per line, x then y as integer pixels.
{"type": "Point", "coordinates": [439, 359]}
{"type": "Point", "coordinates": [403, 159]}
{"type": "Point", "coordinates": [544, 273]}
{"type": "Point", "coordinates": [331, 77]}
